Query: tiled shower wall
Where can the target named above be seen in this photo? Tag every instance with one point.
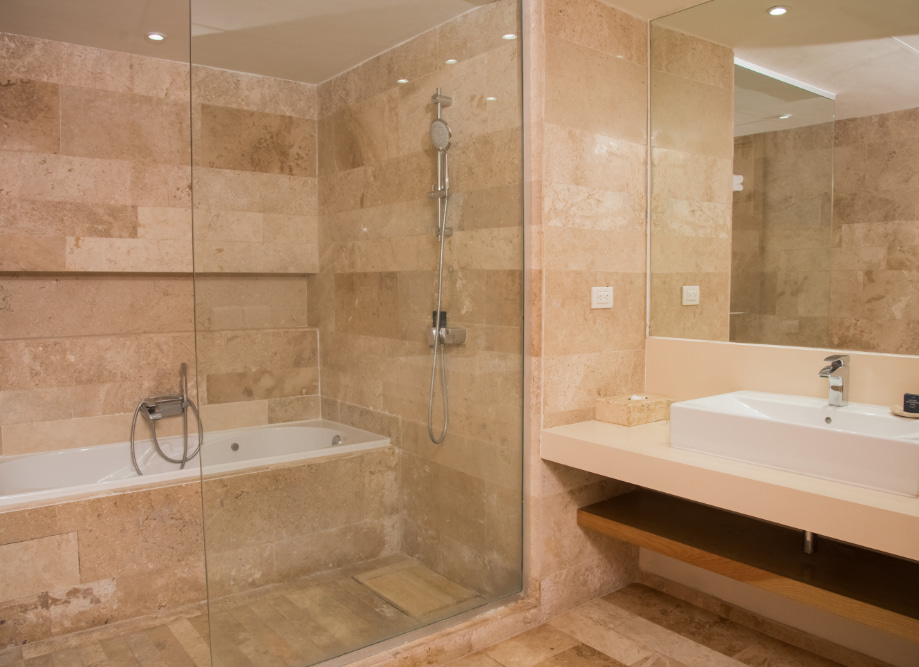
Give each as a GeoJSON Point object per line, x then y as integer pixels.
{"type": "Point", "coordinates": [96, 251]}
{"type": "Point", "coordinates": [376, 289]}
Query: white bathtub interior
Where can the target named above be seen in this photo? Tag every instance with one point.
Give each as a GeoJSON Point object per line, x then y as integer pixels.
{"type": "Point", "coordinates": [107, 468]}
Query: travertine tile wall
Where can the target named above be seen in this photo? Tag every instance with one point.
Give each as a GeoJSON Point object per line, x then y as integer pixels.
{"type": "Point", "coordinates": [586, 128]}
{"type": "Point", "coordinates": [95, 193]}
{"type": "Point", "coordinates": [376, 289]}
{"type": "Point", "coordinates": [256, 239]}
{"type": "Point", "coordinates": [874, 303]}
{"type": "Point", "coordinates": [86, 563]}
{"type": "Point", "coordinates": [277, 525]}
{"type": "Point", "coordinates": [96, 243]}
{"type": "Point", "coordinates": [782, 219]}
{"type": "Point", "coordinates": [692, 107]}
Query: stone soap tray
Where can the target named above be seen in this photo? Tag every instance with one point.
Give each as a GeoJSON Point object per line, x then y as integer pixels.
{"type": "Point", "coordinates": [633, 410]}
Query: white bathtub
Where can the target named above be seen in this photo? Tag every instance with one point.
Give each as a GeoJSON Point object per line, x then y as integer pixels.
{"type": "Point", "coordinates": [107, 468]}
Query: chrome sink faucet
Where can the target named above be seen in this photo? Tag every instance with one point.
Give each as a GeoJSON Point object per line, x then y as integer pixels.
{"type": "Point", "coordinates": [838, 375]}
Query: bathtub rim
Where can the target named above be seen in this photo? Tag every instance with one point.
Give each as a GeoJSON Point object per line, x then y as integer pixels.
{"type": "Point", "coordinates": [188, 476]}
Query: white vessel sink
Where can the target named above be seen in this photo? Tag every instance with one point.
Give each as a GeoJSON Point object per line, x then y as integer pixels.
{"type": "Point", "coordinates": [859, 444]}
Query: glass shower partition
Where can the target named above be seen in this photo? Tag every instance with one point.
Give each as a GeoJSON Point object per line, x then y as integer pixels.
{"type": "Point", "coordinates": [332, 520]}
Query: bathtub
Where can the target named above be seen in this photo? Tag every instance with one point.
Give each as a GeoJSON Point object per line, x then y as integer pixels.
{"type": "Point", "coordinates": [107, 469]}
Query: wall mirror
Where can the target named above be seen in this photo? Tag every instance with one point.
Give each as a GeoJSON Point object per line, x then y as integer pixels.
{"type": "Point", "coordinates": [785, 174]}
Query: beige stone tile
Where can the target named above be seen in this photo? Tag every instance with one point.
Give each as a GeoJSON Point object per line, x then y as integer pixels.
{"type": "Point", "coordinates": [595, 624]}
{"type": "Point", "coordinates": [28, 524]}
{"type": "Point", "coordinates": [691, 58]}
{"type": "Point", "coordinates": [160, 78]}
{"type": "Point", "coordinates": [261, 384]}
{"type": "Point", "coordinates": [160, 185]}
{"type": "Point", "coordinates": [121, 126]}
{"type": "Point", "coordinates": [415, 589]}
{"type": "Point", "coordinates": [173, 585]}
{"type": "Point", "coordinates": [295, 408]}
{"type": "Point", "coordinates": [577, 329]}
{"type": "Point", "coordinates": [36, 566]}
{"type": "Point", "coordinates": [410, 60]}
{"type": "Point", "coordinates": [588, 160]}
{"type": "Point", "coordinates": [137, 532]}
{"type": "Point", "coordinates": [263, 302]}
{"type": "Point", "coordinates": [584, 581]}
{"type": "Point", "coordinates": [56, 219]}
{"type": "Point", "coordinates": [574, 207]}
{"type": "Point", "coordinates": [340, 91]}
{"type": "Point", "coordinates": [250, 191]}
{"type": "Point", "coordinates": [10, 175]}
{"type": "Point", "coordinates": [692, 254]}
{"type": "Point", "coordinates": [477, 31]}
{"type": "Point", "coordinates": [253, 141]}
{"type": "Point", "coordinates": [25, 620]}
{"type": "Point", "coordinates": [240, 570]}
{"type": "Point", "coordinates": [128, 255]}
{"type": "Point", "coordinates": [232, 257]}
{"type": "Point", "coordinates": [692, 117]}
{"type": "Point", "coordinates": [164, 223]}
{"type": "Point", "coordinates": [252, 92]}
{"type": "Point", "coordinates": [575, 381]}
{"type": "Point", "coordinates": [619, 96]}
{"type": "Point", "coordinates": [599, 27]}
{"type": "Point", "coordinates": [432, 492]}
{"type": "Point", "coordinates": [322, 550]}
{"type": "Point", "coordinates": [75, 179]}
{"type": "Point", "coordinates": [531, 647]}
{"type": "Point", "coordinates": [64, 434]}
{"type": "Point", "coordinates": [32, 253]}
{"type": "Point", "coordinates": [595, 250]}
{"type": "Point", "coordinates": [30, 113]}
{"type": "Point", "coordinates": [679, 217]}
{"type": "Point", "coordinates": [476, 660]}
{"type": "Point", "coordinates": [707, 321]}
{"type": "Point", "coordinates": [226, 416]}
{"type": "Point", "coordinates": [691, 177]}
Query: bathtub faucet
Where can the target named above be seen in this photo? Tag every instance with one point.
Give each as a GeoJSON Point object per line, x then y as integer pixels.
{"type": "Point", "coordinates": [838, 375]}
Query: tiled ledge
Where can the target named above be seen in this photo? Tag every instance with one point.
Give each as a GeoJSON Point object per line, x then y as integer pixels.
{"type": "Point", "coordinates": [642, 455]}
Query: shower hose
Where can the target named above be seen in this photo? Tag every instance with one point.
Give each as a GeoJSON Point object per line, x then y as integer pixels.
{"type": "Point", "coordinates": [186, 457]}
{"type": "Point", "coordinates": [438, 343]}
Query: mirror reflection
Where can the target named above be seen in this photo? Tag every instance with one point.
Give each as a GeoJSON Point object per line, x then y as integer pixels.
{"type": "Point", "coordinates": [785, 175]}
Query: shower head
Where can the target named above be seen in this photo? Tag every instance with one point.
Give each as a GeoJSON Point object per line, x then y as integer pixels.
{"type": "Point", "coordinates": [440, 135]}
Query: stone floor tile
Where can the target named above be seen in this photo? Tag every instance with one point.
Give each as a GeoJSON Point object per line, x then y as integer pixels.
{"type": "Point", "coordinates": [531, 647]}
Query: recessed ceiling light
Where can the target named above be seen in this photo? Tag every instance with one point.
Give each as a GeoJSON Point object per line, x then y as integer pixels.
{"type": "Point", "coordinates": [491, 99]}
{"type": "Point", "coordinates": [156, 36]}
{"type": "Point", "coordinates": [785, 116]}
{"type": "Point", "coordinates": [402, 81]}
{"type": "Point", "coordinates": [509, 36]}
{"type": "Point", "coordinates": [452, 61]}
{"type": "Point", "coordinates": [778, 10]}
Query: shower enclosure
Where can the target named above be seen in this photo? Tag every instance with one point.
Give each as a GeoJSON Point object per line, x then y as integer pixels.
{"type": "Point", "coordinates": [265, 197]}
{"type": "Point", "coordinates": [338, 258]}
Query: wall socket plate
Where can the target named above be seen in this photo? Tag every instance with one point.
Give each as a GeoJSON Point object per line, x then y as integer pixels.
{"type": "Point", "coordinates": [601, 297]}
{"type": "Point", "coordinates": [691, 294]}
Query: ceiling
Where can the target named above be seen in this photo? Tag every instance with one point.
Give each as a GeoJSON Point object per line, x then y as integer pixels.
{"type": "Point", "coordinates": [866, 52]}
{"type": "Point", "coordinates": [300, 40]}
{"type": "Point", "coordinates": [846, 47]}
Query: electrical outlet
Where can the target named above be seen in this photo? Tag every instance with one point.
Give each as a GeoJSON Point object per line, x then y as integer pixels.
{"type": "Point", "coordinates": [691, 295]}
{"type": "Point", "coordinates": [601, 297]}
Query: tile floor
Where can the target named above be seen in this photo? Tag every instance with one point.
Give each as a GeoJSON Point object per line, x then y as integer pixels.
{"type": "Point", "coordinates": [641, 627]}
{"type": "Point", "coordinates": [319, 617]}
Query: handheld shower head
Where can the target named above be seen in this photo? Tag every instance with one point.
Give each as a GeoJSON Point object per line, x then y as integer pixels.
{"type": "Point", "coordinates": [440, 135]}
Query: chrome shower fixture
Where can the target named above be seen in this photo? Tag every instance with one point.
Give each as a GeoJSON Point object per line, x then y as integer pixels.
{"type": "Point", "coordinates": [439, 335]}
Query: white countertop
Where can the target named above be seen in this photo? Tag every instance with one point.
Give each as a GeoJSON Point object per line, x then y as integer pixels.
{"type": "Point", "coordinates": [642, 455]}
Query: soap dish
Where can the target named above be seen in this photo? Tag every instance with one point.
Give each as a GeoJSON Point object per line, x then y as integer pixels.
{"type": "Point", "coordinates": [899, 412]}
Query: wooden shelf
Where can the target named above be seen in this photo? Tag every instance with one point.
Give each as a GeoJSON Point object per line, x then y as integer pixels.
{"type": "Point", "coordinates": [867, 586]}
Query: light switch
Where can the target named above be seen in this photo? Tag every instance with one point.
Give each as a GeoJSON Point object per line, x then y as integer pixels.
{"type": "Point", "coordinates": [601, 297]}
{"type": "Point", "coordinates": [691, 295]}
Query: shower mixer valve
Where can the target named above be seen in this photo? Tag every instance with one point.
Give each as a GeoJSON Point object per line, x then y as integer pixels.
{"type": "Point", "coordinates": [445, 334]}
